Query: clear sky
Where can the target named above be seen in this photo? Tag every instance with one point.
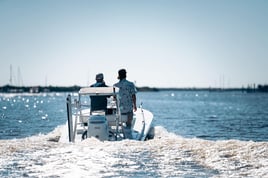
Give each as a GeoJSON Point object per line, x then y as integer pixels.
{"type": "Point", "coordinates": [161, 43]}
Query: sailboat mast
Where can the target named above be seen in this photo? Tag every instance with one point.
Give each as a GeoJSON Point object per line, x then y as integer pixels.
{"type": "Point", "coordinates": [10, 79]}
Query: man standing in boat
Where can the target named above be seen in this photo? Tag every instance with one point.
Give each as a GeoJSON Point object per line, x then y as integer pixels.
{"type": "Point", "coordinates": [127, 92]}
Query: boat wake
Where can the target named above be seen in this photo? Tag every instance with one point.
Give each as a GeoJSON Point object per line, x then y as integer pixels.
{"type": "Point", "coordinates": [167, 155]}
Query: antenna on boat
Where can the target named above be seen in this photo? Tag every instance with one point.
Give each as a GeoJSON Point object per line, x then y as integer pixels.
{"type": "Point", "coordinates": [143, 123]}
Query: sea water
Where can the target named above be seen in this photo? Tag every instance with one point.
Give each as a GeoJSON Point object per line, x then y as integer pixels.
{"type": "Point", "coordinates": [197, 134]}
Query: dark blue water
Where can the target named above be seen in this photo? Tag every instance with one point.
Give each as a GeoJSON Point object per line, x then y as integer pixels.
{"type": "Point", "coordinates": [207, 115]}
{"type": "Point", "coordinates": [211, 115]}
{"type": "Point", "coordinates": [25, 115]}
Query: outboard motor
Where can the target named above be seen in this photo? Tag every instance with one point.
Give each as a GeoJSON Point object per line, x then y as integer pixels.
{"type": "Point", "coordinates": [98, 127]}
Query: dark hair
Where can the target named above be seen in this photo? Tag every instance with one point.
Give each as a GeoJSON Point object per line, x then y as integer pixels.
{"type": "Point", "coordinates": [122, 74]}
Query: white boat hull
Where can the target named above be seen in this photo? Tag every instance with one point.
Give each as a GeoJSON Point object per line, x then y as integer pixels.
{"type": "Point", "coordinates": [142, 124]}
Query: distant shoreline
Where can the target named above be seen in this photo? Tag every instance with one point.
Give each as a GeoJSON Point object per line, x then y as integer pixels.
{"type": "Point", "coordinates": [76, 88]}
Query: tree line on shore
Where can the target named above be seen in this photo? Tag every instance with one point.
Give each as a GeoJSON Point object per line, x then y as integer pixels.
{"type": "Point", "coordinates": [75, 88]}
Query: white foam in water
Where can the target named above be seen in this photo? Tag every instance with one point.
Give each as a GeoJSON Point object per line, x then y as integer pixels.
{"type": "Point", "coordinates": [167, 155]}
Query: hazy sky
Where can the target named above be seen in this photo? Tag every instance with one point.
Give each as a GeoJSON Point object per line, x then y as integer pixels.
{"type": "Point", "coordinates": [161, 43]}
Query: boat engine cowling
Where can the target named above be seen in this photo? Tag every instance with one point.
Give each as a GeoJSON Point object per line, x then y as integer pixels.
{"type": "Point", "coordinates": [98, 127]}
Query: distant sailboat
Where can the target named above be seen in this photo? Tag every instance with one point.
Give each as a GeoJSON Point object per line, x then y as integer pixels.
{"type": "Point", "coordinates": [12, 78]}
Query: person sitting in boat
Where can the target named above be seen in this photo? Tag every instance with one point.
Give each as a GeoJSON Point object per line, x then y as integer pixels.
{"type": "Point", "coordinates": [127, 93]}
{"type": "Point", "coordinates": [99, 81]}
{"type": "Point", "coordinates": [99, 103]}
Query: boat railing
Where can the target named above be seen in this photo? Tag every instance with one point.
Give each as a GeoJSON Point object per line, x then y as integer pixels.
{"type": "Point", "coordinates": [70, 119]}
{"type": "Point", "coordinates": [77, 112]}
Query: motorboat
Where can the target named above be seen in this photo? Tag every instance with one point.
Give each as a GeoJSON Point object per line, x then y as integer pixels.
{"type": "Point", "coordinates": [95, 112]}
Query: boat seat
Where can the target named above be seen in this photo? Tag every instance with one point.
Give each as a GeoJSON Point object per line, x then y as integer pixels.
{"type": "Point", "coordinates": [98, 103]}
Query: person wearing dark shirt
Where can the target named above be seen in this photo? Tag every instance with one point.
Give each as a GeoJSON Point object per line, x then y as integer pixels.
{"type": "Point", "coordinates": [99, 103]}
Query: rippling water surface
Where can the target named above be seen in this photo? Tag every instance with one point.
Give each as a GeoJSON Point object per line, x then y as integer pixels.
{"type": "Point", "coordinates": [197, 134]}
